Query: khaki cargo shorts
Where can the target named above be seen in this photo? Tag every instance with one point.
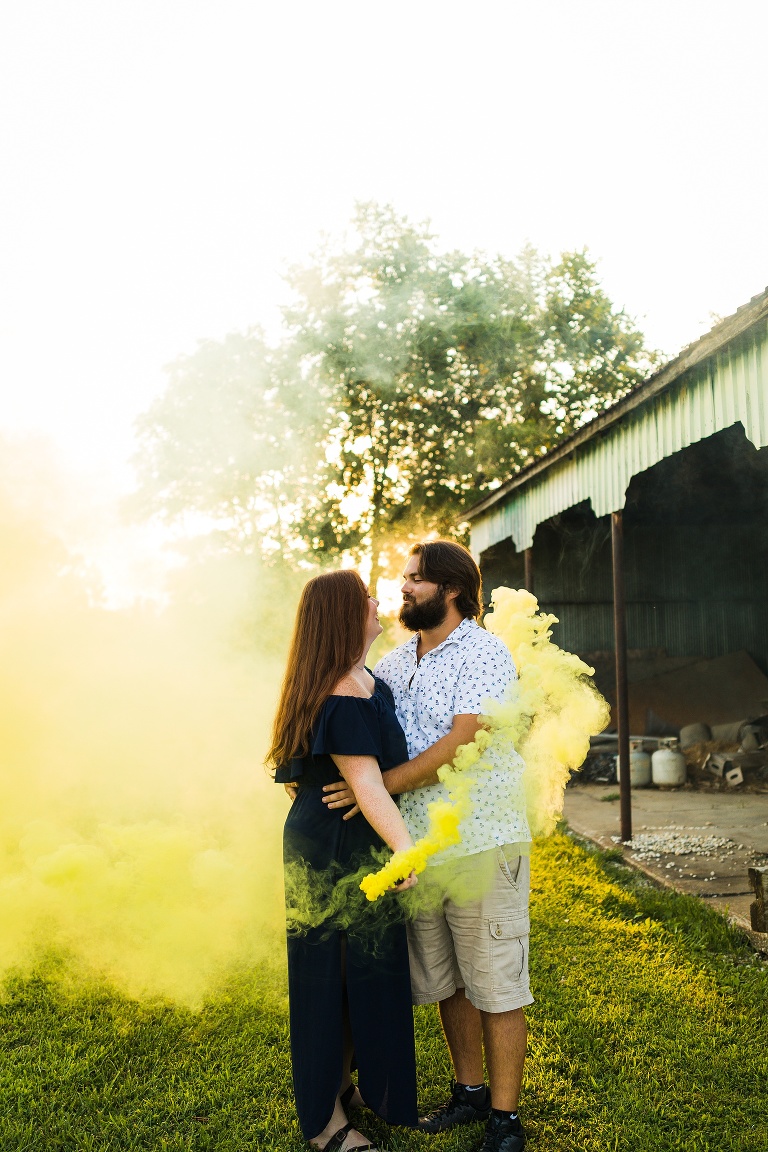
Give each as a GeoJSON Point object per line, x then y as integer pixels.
{"type": "Point", "coordinates": [479, 945]}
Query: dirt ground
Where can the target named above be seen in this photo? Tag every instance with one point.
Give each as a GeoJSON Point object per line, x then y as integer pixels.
{"type": "Point", "coordinates": [697, 841]}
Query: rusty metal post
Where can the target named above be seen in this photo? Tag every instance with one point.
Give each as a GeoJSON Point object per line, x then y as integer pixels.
{"type": "Point", "coordinates": [528, 561]}
{"type": "Point", "coordinates": [622, 692]}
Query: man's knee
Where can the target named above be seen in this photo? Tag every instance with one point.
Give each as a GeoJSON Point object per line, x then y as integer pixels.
{"type": "Point", "coordinates": [501, 1019]}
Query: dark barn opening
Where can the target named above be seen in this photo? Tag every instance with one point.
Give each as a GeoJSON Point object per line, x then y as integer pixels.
{"type": "Point", "coordinates": [696, 566]}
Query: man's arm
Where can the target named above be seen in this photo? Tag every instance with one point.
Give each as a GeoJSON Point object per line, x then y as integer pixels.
{"type": "Point", "coordinates": [416, 773]}
{"type": "Point", "coordinates": [422, 770]}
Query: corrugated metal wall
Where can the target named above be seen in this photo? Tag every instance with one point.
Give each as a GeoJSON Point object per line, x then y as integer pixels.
{"type": "Point", "coordinates": [728, 389]}
{"type": "Point", "coordinates": [696, 558]}
{"type": "Point", "coordinates": [688, 591]}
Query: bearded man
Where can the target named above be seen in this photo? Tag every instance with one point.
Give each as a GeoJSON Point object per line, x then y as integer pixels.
{"type": "Point", "coordinates": [468, 954]}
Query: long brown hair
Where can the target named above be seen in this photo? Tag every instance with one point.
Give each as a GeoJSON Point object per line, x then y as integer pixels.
{"type": "Point", "coordinates": [328, 638]}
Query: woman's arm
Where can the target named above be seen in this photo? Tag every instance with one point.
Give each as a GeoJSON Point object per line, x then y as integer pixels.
{"type": "Point", "coordinates": [416, 773]}
{"type": "Point", "coordinates": [363, 775]}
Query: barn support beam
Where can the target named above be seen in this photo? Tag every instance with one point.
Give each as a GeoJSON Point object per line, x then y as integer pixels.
{"type": "Point", "coordinates": [622, 692]}
{"type": "Point", "coordinates": [528, 574]}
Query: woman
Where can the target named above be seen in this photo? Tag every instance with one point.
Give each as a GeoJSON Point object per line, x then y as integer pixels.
{"type": "Point", "coordinates": [349, 991]}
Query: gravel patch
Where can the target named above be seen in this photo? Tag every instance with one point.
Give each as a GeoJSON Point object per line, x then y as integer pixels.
{"type": "Point", "coordinates": [677, 840]}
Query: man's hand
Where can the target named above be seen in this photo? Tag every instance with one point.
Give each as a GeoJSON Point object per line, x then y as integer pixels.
{"type": "Point", "coordinates": [340, 795]}
{"type": "Point", "coordinates": [417, 773]}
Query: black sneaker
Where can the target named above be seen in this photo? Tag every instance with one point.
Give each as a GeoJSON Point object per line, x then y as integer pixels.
{"type": "Point", "coordinates": [503, 1135]}
{"type": "Point", "coordinates": [458, 1110]}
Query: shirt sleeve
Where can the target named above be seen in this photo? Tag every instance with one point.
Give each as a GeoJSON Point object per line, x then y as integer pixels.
{"type": "Point", "coordinates": [347, 726]}
{"type": "Point", "coordinates": [484, 675]}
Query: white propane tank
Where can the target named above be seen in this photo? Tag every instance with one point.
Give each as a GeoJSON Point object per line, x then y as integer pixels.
{"type": "Point", "coordinates": [639, 766]}
{"type": "Point", "coordinates": [668, 765]}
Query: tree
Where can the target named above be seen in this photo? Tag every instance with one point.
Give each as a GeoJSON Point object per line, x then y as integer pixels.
{"type": "Point", "coordinates": [594, 353]}
{"type": "Point", "coordinates": [387, 330]}
{"type": "Point", "coordinates": [411, 382]}
{"type": "Point", "coordinates": [223, 442]}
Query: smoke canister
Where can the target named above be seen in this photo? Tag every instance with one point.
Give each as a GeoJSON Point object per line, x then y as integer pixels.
{"type": "Point", "coordinates": [668, 765]}
{"type": "Point", "coordinates": [639, 766]}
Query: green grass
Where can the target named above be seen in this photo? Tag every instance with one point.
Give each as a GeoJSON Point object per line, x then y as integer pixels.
{"type": "Point", "coordinates": [648, 1033]}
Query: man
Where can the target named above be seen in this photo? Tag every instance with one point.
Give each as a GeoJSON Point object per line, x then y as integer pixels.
{"type": "Point", "coordinates": [470, 957]}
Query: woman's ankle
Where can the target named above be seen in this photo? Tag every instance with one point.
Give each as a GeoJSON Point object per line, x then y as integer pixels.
{"type": "Point", "coordinates": [338, 1120]}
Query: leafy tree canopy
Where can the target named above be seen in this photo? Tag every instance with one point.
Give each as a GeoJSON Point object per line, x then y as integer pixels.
{"type": "Point", "coordinates": [409, 382]}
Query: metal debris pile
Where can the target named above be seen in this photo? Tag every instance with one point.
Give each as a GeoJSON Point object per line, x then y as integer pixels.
{"type": "Point", "coordinates": [729, 754]}
{"type": "Point", "coordinates": [720, 758]}
{"type": "Point", "coordinates": [598, 768]}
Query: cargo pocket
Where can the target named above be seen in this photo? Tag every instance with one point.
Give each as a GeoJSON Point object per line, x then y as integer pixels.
{"type": "Point", "coordinates": [508, 946]}
{"type": "Point", "coordinates": [510, 869]}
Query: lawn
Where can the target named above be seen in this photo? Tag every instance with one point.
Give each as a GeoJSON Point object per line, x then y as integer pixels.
{"type": "Point", "coordinates": [649, 1033]}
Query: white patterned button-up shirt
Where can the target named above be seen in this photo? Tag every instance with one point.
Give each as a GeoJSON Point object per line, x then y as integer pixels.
{"type": "Point", "coordinates": [470, 667]}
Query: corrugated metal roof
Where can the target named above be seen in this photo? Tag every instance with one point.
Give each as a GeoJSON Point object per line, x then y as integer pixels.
{"type": "Point", "coordinates": [718, 381]}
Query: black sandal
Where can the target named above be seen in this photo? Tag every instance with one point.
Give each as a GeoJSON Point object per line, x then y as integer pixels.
{"type": "Point", "coordinates": [340, 1138]}
{"type": "Point", "coordinates": [347, 1094]}
{"type": "Point", "coordinates": [345, 1097]}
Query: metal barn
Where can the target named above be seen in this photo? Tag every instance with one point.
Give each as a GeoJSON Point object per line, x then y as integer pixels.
{"type": "Point", "coordinates": [646, 532]}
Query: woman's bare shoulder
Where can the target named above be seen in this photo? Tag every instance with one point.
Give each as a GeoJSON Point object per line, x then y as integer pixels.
{"type": "Point", "coordinates": [349, 685]}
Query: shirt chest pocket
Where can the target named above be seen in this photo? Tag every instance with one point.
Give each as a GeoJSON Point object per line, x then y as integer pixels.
{"type": "Point", "coordinates": [435, 705]}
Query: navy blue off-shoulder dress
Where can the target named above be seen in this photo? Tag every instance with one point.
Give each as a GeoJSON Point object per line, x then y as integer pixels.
{"type": "Point", "coordinates": [378, 990]}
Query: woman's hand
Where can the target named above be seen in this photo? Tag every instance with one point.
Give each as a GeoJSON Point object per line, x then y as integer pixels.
{"type": "Point", "coordinates": [340, 795]}
{"type": "Point", "coordinates": [291, 791]}
{"type": "Point", "coordinates": [409, 882]}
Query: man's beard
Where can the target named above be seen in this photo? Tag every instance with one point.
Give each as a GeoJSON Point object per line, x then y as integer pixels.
{"type": "Point", "coordinates": [428, 614]}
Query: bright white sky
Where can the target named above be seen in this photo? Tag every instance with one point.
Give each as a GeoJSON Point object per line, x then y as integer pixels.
{"type": "Point", "coordinates": [163, 161]}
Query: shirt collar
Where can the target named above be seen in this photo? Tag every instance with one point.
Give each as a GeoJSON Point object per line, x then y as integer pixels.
{"type": "Point", "coordinates": [454, 637]}
{"type": "Point", "coordinates": [458, 633]}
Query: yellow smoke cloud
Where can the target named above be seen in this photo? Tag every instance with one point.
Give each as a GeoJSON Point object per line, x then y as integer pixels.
{"type": "Point", "coordinates": [552, 708]}
{"type": "Point", "coordinates": [139, 833]}
{"type": "Point", "coordinates": [548, 716]}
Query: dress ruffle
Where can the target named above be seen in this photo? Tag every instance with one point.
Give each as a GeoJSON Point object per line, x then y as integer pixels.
{"type": "Point", "coordinates": [346, 726]}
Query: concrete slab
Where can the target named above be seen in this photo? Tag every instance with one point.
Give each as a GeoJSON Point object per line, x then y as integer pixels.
{"type": "Point", "coordinates": [726, 832]}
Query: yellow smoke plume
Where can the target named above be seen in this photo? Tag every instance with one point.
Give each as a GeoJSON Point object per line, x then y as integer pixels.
{"type": "Point", "coordinates": [551, 710]}
{"type": "Point", "coordinates": [139, 833]}
{"type": "Point", "coordinates": [548, 716]}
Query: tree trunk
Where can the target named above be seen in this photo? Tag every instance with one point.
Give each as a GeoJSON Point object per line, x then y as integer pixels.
{"type": "Point", "coordinates": [377, 539]}
{"type": "Point", "coordinates": [377, 501]}
{"type": "Point", "coordinates": [376, 569]}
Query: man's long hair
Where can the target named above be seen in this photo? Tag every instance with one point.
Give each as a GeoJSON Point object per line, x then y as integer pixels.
{"type": "Point", "coordinates": [452, 566]}
{"type": "Point", "coordinates": [328, 638]}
